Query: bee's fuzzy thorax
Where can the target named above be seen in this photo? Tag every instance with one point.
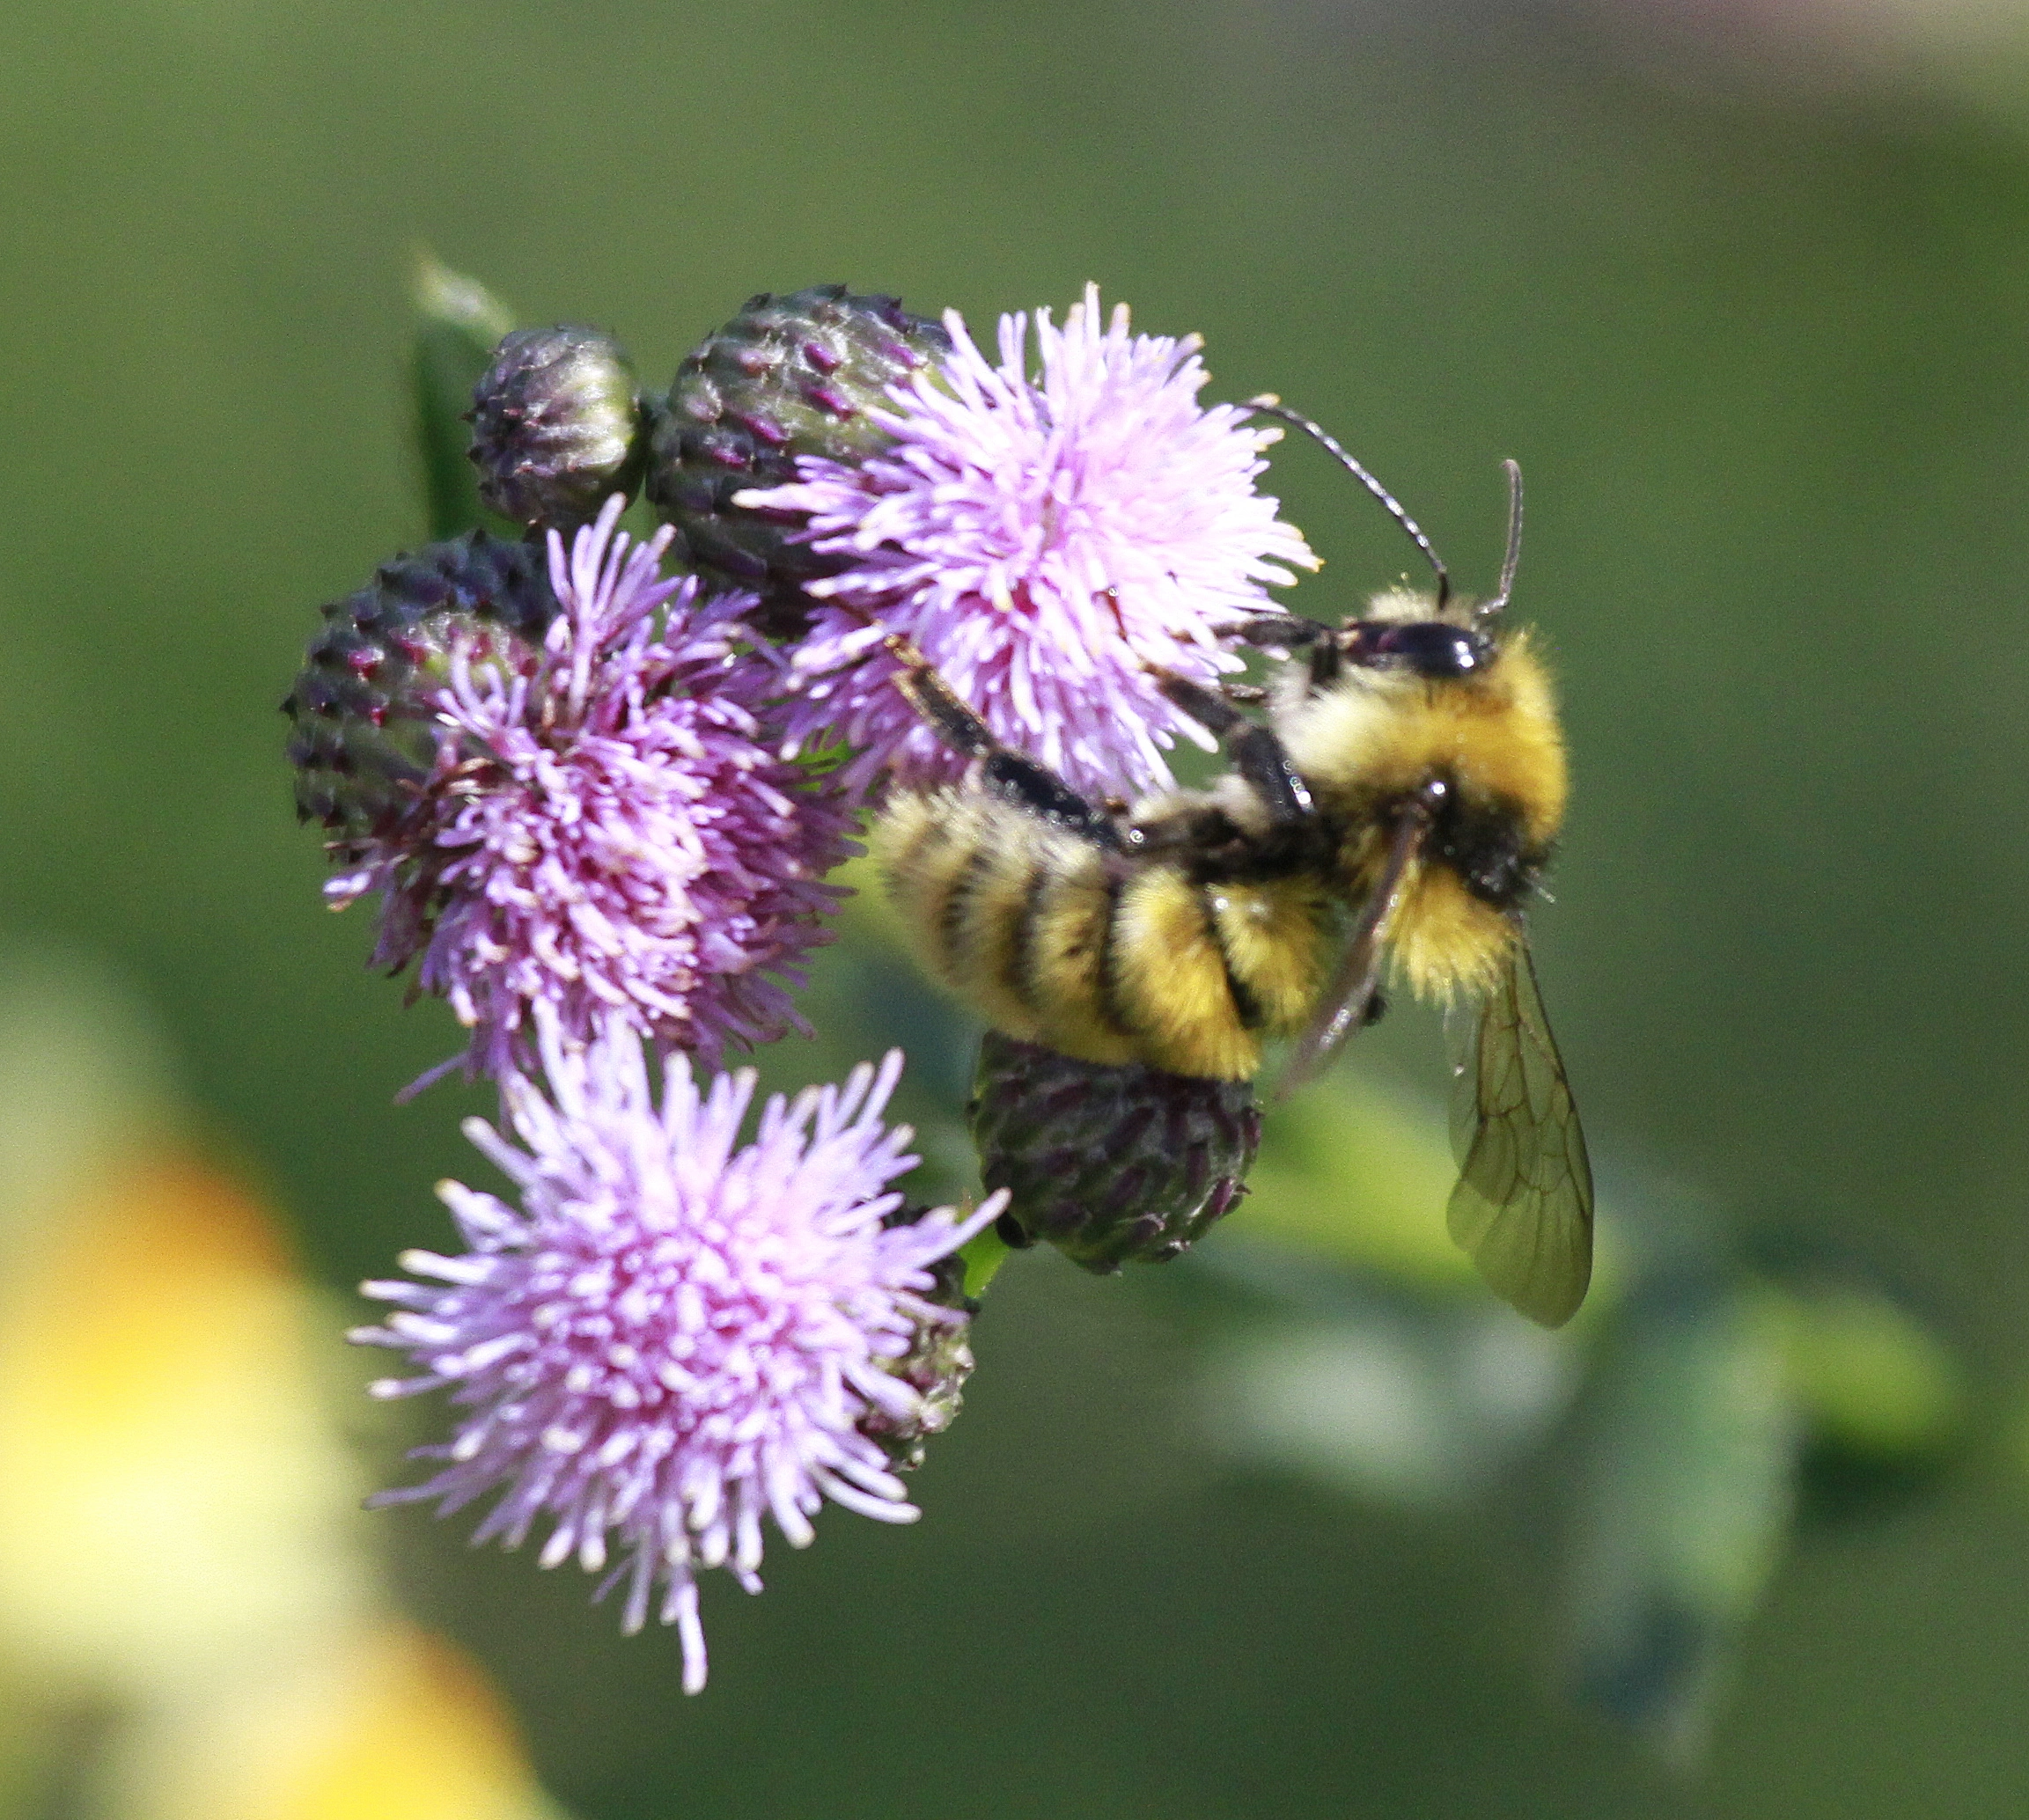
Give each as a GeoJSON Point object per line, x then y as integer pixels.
{"type": "Point", "coordinates": [1493, 737]}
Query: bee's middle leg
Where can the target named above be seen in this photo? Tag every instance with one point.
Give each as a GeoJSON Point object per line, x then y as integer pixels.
{"type": "Point", "coordinates": [1257, 752]}
{"type": "Point", "coordinates": [1003, 770]}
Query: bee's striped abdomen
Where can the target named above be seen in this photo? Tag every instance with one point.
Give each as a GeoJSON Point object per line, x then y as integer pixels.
{"type": "Point", "coordinates": [1172, 967]}
{"type": "Point", "coordinates": [964, 890]}
{"type": "Point", "coordinates": [1055, 940]}
{"type": "Point", "coordinates": [1273, 940]}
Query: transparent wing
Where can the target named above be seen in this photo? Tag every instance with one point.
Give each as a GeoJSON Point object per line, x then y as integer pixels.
{"type": "Point", "coordinates": [1523, 1207]}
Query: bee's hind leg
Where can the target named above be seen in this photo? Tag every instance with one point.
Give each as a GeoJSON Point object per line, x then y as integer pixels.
{"type": "Point", "coordinates": [1256, 750]}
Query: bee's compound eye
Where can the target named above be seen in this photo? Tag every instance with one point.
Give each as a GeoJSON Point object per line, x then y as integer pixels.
{"type": "Point", "coordinates": [1433, 647]}
{"type": "Point", "coordinates": [1430, 648]}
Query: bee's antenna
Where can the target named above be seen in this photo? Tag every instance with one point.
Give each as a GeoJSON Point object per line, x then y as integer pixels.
{"type": "Point", "coordinates": [1268, 403]}
{"type": "Point", "coordinates": [1486, 609]}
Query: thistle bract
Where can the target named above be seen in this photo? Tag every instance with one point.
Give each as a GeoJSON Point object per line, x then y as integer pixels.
{"type": "Point", "coordinates": [790, 376]}
{"type": "Point", "coordinates": [363, 713]}
{"type": "Point", "coordinates": [935, 1366]}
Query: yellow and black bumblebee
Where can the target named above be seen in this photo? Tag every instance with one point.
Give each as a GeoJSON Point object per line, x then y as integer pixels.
{"type": "Point", "coordinates": [1408, 776]}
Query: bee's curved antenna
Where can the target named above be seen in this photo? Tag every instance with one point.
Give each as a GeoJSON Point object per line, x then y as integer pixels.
{"type": "Point", "coordinates": [1486, 609]}
{"type": "Point", "coordinates": [1273, 406]}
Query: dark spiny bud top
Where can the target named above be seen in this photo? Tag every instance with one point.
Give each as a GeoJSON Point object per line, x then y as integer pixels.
{"type": "Point", "coordinates": [935, 1366]}
{"type": "Point", "coordinates": [557, 426]}
{"type": "Point", "coordinates": [788, 376]}
{"type": "Point", "coordinates": [363, 734]}
{"type": "Point", "coordinates": [1109, 1163]}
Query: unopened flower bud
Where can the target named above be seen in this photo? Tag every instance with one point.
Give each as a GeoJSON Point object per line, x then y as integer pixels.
{"type": "Point", "coordinates": [1109, 1163]}
{"type": "Point", "coordinates": [788, 376]}
{"type": "Point", "coordinates": [557, 426]}
{"type": "Point", "coordinates": [362, 733]}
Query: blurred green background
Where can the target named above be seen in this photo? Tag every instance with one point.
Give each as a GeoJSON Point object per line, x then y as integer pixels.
{"type": "Point", "coordinates": [1305, 1527]}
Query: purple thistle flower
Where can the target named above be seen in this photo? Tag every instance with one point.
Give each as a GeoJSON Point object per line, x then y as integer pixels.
{"type": "Point", "coordinates": [1043, 542]}
{"type": "Point", "coordinates": [617, 834]}
{"type": "Point", "coordinates": [673, 1337]}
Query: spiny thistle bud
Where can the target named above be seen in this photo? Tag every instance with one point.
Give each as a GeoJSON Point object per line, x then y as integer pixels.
{"type": "Point", "coordinates": [1109, 1163]}
{"type": "Point", "coordinates": [788, 376]}
{"type": "Point", "coordinates": [557, 426]}
{"type": "Point", "coordinates": [935, 1366]}
{"type": "Point", "coordinates": [363, 731]}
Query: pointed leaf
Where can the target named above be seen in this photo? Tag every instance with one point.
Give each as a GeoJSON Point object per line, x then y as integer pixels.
{"type": "Point", "coordinates": [1687, 1502]}
{"type": "Point", "coordinates": [458, 323]}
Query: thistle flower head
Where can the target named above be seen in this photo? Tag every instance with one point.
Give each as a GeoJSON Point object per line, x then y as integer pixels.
{"type": "Point", "coordinates": [1044, 542]}
{"type": "Point", "coordinates": [673, 1336]}
{"type": "Point", "coordinates": [612, 830]}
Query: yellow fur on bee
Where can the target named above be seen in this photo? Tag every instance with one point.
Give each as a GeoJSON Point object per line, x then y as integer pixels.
{"type": "Point", "coordinates": [1069, 930]}
{"type": "Point", "coordinates": [1274, 941]}
{"type": "Point", "coordinates": [1444, 941]}
{"type": "Point", "coordinates": [931, 847]}
{"type": "Point", "coordinates": [1010, 914]}
{"type": "Point", "coordinates": [1494, 736]}
{"type": "Point", "coordinates": [1052, 940]}
{"type": "Point", "coordinates": [1169, 980]}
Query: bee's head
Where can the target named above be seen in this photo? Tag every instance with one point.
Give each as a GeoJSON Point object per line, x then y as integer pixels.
{"type": "Point", "coordinates": [1410, 633]}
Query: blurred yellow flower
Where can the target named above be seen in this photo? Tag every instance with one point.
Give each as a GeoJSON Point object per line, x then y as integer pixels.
{"type": "Point", "coordinates": [182, 1564]}
{"type": "Point", "coordinates": [386, 1724]}
{"type": "Point", "coordinates": [173, 1498]}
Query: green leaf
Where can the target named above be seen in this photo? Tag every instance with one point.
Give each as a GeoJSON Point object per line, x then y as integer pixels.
{"type": "Point", "coordinates": [1359, 1175]}
{"type": "Point", "coordinates": [1883, 1395]}
{"type": "Point", "coordinates": [1869, 1374]}
{"type": "Point", "coordinates": [458, 323]}
{"type": "Point", "coordinates": [1408, 1401]}
{"type": "Point", "coordinates": [1687, 1499]}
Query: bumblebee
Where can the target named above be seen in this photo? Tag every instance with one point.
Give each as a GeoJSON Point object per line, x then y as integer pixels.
{"type": "Point", "coordinates": [1396, 803]}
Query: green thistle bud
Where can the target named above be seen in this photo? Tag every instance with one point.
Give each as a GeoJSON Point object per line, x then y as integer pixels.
{"type": "Point", "coordinates": [788, 376]}
{"type": "Point", "coordinates": [363, 735]}
{"type": "Point", "coordinates": [935, 1366]}
{"type": "Point", "coordinates": [1108, 1163]}
{"type": "Point", "coordinates": [557, 426]}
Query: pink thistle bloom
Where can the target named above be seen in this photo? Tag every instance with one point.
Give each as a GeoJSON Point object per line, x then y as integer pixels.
{"type": "Point", "coordinates": [673, 1337]}
{"type": "Point", "coordinates": [618, 833]}
{"type": "Point", "coordinates": [1043, 542]}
